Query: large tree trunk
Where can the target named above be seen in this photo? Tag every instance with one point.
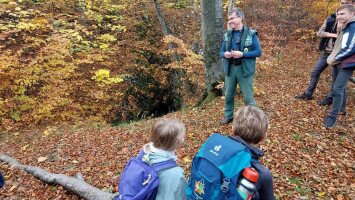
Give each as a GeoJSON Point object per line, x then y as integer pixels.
{"type": "Point", "coordinates": [76, 185]}
{"type": "Point", "coordinates": [212, 35]}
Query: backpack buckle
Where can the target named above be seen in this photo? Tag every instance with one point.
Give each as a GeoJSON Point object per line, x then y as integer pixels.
{"type": "Point", "coordinates": [225, 185]}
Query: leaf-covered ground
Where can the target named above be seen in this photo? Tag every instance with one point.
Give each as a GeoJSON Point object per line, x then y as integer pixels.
{"type": "Point", "coordinates": [306, 160]}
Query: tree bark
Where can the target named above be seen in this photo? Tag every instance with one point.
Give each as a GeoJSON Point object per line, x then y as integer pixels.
{"type": "Point", "coordinates": [176, 74]}
{"type": "Point", "coordinates": [212, 35]}
{"type": "Point", "coordinates": [165, 27]}
{"type": "Point", "coordinates": [72, 184]}
{"type": "Point", "coordinates": [231, 5]}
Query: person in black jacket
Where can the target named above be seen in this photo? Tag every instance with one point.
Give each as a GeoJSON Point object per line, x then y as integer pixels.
{"type": "Point", "coordinates": [2, 181]}
{"type": "Point", "coordinates": [328, 35]}
{"type": "Point", "coordinates": [250, 126]}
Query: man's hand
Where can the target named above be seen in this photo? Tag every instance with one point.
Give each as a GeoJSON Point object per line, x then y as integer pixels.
{"type": "Point", "coordinates": [227, 54]}
{"type": "Point", "coordinates": [237, 54]}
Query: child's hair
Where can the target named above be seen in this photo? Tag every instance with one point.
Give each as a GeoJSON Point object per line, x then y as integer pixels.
{"type": "Point", "coordinates": [250, 123]}
{"type": "Point", "coordinates": [167, 134]}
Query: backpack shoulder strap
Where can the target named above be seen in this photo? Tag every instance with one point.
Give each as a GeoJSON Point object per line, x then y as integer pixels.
{"type": "Point", "coordinates": [253, 160]}
{"type": "Point", "coordinates": [160, 165]}
{"type": "Point", "coordinates": [164, 165]}
{"type": "Point", "coordinates": [140, 155]}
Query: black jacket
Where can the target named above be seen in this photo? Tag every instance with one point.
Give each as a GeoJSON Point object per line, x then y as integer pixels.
{"type": "Point", "coordinates": [331, 27]}
{"type": "Point", "coordinates": [265, 182]}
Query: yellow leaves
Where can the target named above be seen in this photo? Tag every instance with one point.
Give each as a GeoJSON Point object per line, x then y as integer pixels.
{"type": "Point", "coordinates": [191, 62]}
{"type": "Point", "coordinates": [119, 28]}
{"type": "Point", "coordinates": [258, 91]}
{"type": "Point", "coordinates": [102, 77]}
{"type": "Point", "coordinates": [76, 36]}
{"type": "Point", "coordinates": [49, 131]}
{"type": "Point", "coordinates": [7, 1]}
{"type": "Point", "coordinates": [40, 21]}
{"type": "Point", "coordinates": [15, 115]}
{"type": "Point", "coordinates": [104, 46]}
{"type": "Point", "coordinates": [30, 25]}
{"type": "Point", "coordinates": [187, 159]}
{"type": "Point", "coordinates": [107, 38]}
{"type": "Point", "coordinates": [26, 26]}
{"type": "Point", "coordinates": [24, 148]}
{"type": "Point", "coordinates": [321, 194]}
{"type": "Point", "coordinates": [101, 74]}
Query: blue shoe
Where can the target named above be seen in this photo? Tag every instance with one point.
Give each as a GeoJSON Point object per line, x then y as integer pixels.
{"type": "Point", "coordinates": [330, 121]}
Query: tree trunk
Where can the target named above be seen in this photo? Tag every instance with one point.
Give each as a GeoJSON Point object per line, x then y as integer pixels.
{"type": "Point", "coordinates": [75, 185]}
{"type": "Point", "coordinates": [212, 35]}
{"type": "Point", "coordinates": [196, 45]}
{"type": "Point", "coordinates": [176, 74]}
{"type": "Point", "coordinates": [165, 27]}
{"type": "Point", "coordinates": [231, 5]}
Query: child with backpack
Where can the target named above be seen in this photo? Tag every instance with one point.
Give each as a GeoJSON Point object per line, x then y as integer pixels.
{"type": "Point", "coordinates": [154, 174]}
{"type": "Point", "coordinates": [217, 169]}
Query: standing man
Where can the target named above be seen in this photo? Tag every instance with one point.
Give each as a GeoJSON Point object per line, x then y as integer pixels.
{"type": "Point", "coordinates": [239, 50]}
{"type": "Point", "coordinates": [344, 49]}
{"type": "Point", "coordinates": [328, 35]}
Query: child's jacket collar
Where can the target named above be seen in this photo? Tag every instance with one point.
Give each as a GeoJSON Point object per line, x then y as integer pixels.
{"type": "Point", "coordinates": [158, 155]}
{"type": "Point", "coordinates": [255, 151]}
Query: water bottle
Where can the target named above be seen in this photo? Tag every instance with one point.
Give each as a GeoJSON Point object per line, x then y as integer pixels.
{"type": "Point", "coordinates": [247, 183]}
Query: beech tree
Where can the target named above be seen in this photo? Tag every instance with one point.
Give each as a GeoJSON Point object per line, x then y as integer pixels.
{"type": "Point", "coordinates": [212, 35]}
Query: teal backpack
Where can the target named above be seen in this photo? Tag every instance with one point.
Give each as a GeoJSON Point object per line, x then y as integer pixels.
{"type": "Point", "coordinates": [216, 168]}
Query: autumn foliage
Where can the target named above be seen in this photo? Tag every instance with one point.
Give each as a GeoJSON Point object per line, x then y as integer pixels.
{"type": "Point", "coordinates": [97, 62]}
{"type": "Point", "coordinates": [78, 61]}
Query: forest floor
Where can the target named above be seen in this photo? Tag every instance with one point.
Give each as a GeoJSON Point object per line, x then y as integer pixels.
{"type": "Point", "coordinates": [307, 161]}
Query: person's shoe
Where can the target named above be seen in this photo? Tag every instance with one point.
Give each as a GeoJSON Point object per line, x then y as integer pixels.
{"type": "Point", "coordinates": [225, 121]}
{"type": "Point", "coordinates": [326, 101]}
{"type": "Point", "coordinates": [304, 97]}
{"type": "Point", "coordinates": [330, 121]}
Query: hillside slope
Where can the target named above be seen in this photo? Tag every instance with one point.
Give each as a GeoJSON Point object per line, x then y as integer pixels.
{"type": "Point", "coordinates": [307, 161]}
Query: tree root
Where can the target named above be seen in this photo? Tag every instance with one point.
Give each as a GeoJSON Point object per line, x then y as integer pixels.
{"type": "Point", "coordinates": [72, 184]}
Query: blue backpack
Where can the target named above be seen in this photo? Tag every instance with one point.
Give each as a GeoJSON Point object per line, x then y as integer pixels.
{"type": "Point", "coordinates": [216, 168]}
{"type": "Point", "coordinates": [139, 180]}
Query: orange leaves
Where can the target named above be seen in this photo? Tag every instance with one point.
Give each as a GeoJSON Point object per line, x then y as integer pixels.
{"type": "Point", "coordinates": [191, 62]}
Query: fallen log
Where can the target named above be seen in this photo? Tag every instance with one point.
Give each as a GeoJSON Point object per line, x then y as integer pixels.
{"type": "Point", "coordinates": [75, 185]}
